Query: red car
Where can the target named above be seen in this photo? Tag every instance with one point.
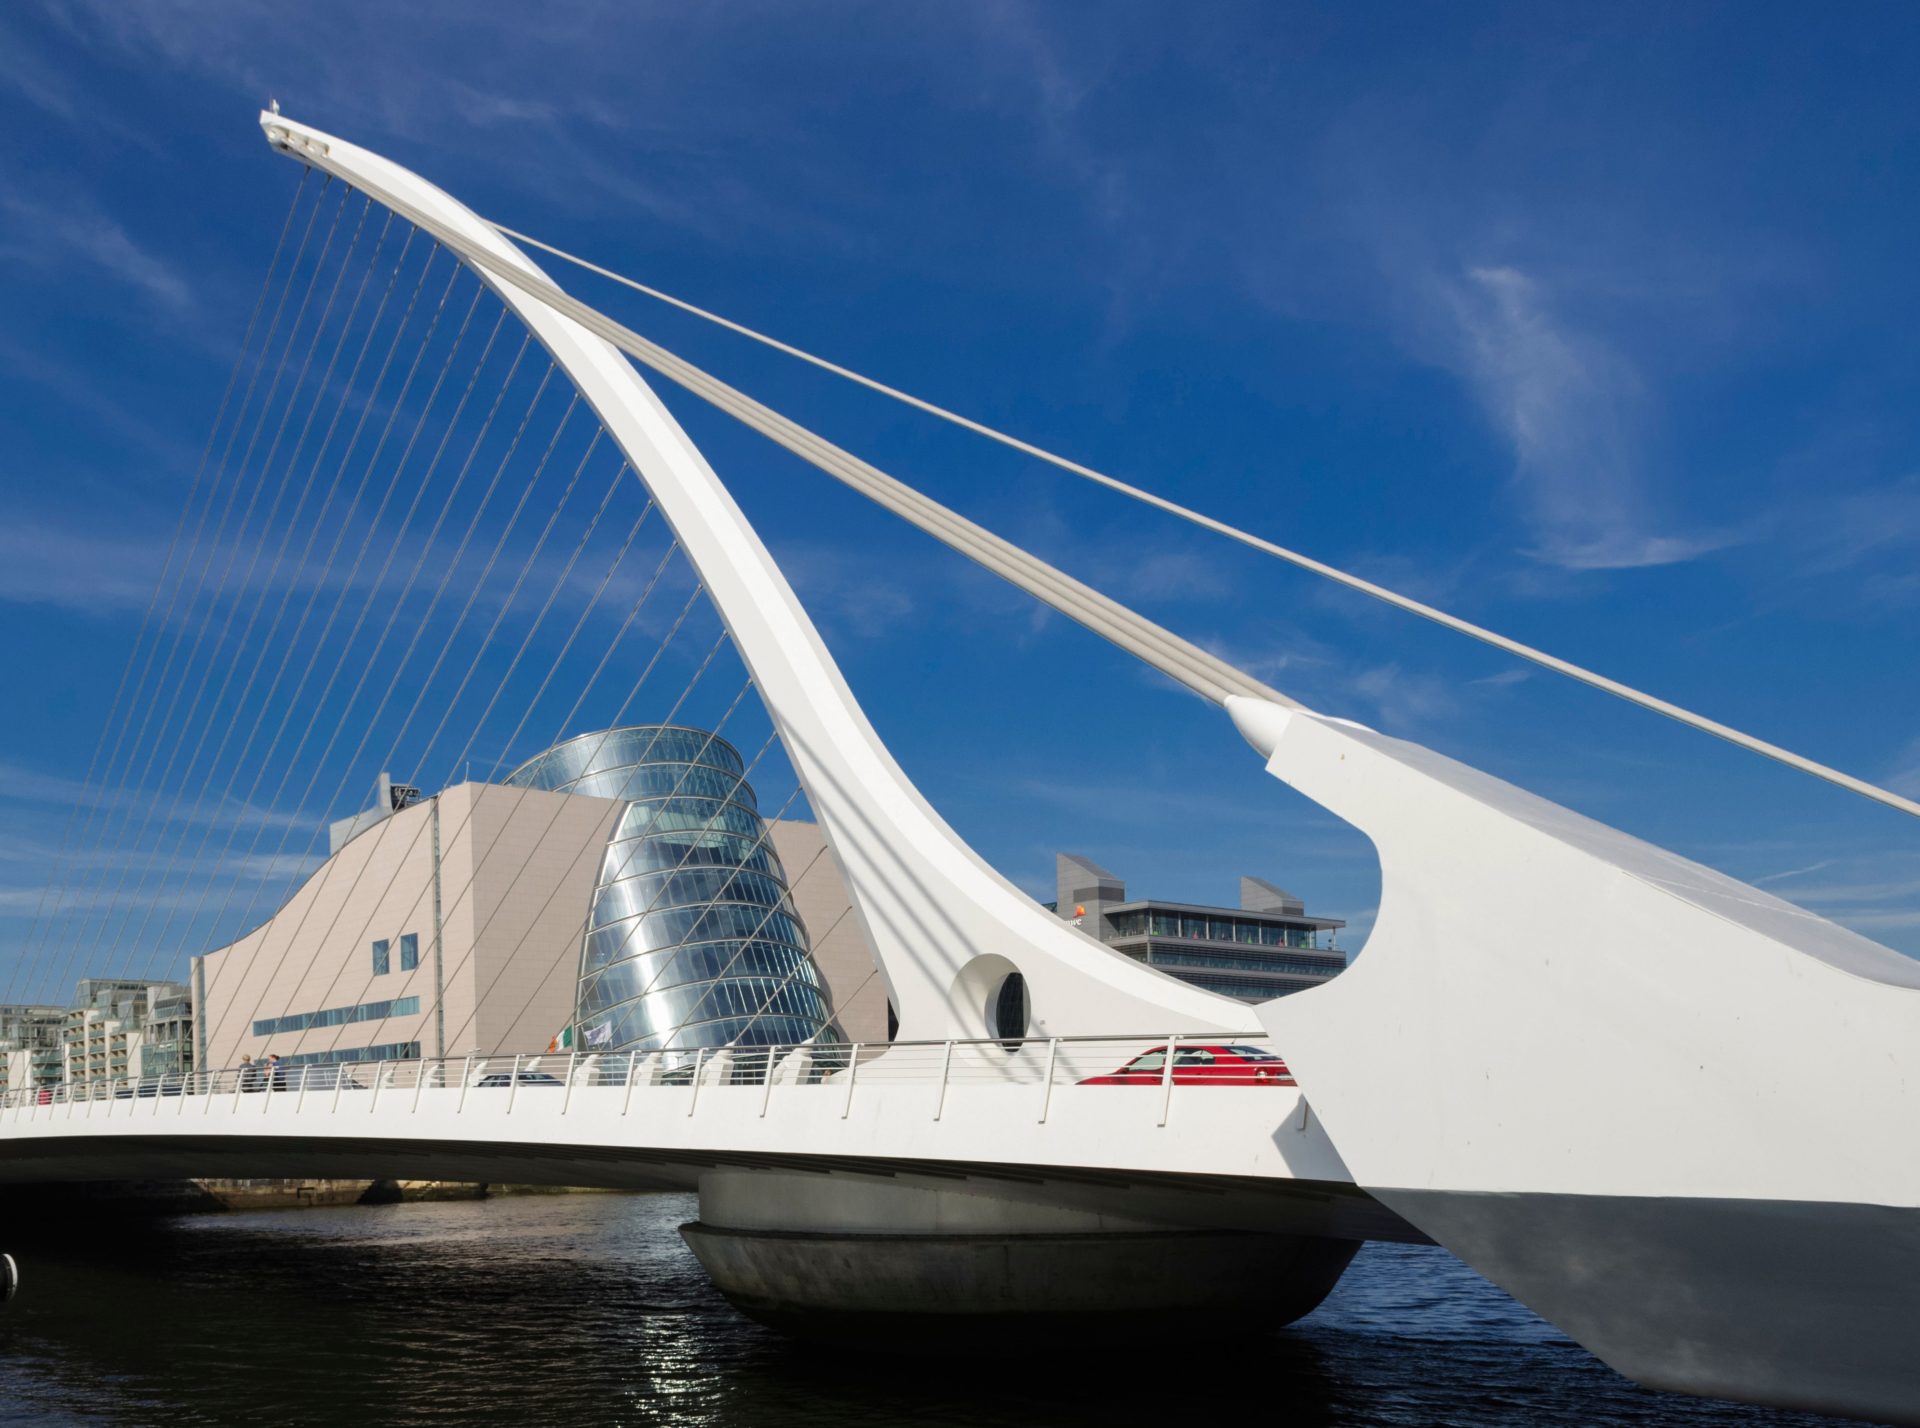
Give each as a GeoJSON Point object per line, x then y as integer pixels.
{"type": "Point", "coordinates": [1201, 1064]}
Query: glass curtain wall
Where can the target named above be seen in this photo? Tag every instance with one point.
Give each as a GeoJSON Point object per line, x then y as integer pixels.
{"type": "Point", "coordinates": [692, 940]}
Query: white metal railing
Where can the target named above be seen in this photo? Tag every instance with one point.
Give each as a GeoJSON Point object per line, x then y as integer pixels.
{"type": "Point", "coordinates": [843, 1069]}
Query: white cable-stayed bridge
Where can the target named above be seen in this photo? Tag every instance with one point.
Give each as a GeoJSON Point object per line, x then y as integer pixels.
{"type": "Point", "coordinates": [437, 482]}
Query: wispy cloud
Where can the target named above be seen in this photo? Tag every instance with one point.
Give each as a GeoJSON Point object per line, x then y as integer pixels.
{"type": "Point", "coordinates": [23, 785]}
{"type": "Point", "coordinates": [28, 74]}
{"type": "Point", "coordinates": [1406, 701]}
{"type": "Point", "coordinates": [53, 234]}
{"type": "Point", "coordinates": [1871, 892]}
{"type": "Point", "coordinates": [94, 574]}
{"type": "Point", "coordinates": [1504, 679]}
{"type": "Point", "coordinates": [1905, 777]}
{"type": "Point", "coordinates": [1869, 535]}
{"type": "Point", "coordinates": [1573, 409]}
{"type": "Point", "coordinates": [845, 592]}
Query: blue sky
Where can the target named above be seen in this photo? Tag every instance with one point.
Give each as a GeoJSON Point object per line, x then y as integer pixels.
{"type": "Point", "coordinates": [1593, 324]}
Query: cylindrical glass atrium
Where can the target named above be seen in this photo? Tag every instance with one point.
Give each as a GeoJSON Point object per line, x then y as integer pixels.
{"type": "Point", "coordinates": [692, 940]}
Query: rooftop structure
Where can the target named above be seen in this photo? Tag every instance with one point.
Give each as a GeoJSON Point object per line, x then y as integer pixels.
{"type": "Point", "coordinates": [1265, 948]}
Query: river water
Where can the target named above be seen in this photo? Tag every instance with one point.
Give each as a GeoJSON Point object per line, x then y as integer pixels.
{"type": "Point", "coordinates": [586, 1309]}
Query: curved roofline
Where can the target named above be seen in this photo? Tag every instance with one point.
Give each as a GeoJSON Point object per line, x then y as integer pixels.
{"type": "Point", "coordinates": [526, 764]}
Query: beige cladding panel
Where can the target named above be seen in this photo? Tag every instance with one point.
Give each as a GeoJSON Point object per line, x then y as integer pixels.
{"type": "Point", "coordinates": [517, 872]}
{"type": "Point", "coordinates": [518, 869]}
{"type": "Point", "coordinates": [315, 953]}
{"type": "Point", "coordinates": [841, 951]}
{"type": "Point", "coordinates": [538, 858]}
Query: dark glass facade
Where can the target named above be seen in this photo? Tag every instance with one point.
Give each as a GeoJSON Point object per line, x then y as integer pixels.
{"type": "Point", "coordinates": [692, 939]}
{"type": "Point", "coordinates": [337, 1016]}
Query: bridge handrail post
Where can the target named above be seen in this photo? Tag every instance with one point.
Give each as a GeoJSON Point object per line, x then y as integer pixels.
{"type": "Point", "coordinates": [513, 1085]}
{"type": "Point", "coordinates": [300, 1100]}
{"type": "Point", "coordinates": [341, 1070]}
{"type": "Point", "coordinates": [159, 1085]}
{"type": "Point", "coordinates": [766, 1088]}
{"type": "Point", "coordinates": [633, 1064]}
{"type": "Point", "coordinates": [699, 1061]}
{"type": "Point", "coordinates": [566, 1094]}
{"type": "Point", "coordinates": [853, 1072]}
{"type": "Point", "coordinates": [1046, 1095]}
{"type": "Point", "coordinates": [1166, 1078]}
{"type": "Point", "coordinates": [466, 1076]}
{"type": "Point", "coordinates": [946, 1067]}
{"type": "Point", "coordinates": [419, 1085]}
{"type": "Point", "coordinates": [379, 1078]}
{"type": "Point", "coordinates": [239, 1085]}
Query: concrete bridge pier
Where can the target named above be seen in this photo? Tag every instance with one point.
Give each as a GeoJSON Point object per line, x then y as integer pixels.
{"type": "Point", "coordinates": [917, 1262]}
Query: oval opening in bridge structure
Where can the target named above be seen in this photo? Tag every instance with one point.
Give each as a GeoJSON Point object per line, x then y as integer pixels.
{"type": "Point", "coordinates": [988, 999]}
{"type": "Point", "coordinates": [1009, 1015]}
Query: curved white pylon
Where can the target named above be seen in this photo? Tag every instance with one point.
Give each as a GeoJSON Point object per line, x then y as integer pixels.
{"type": "Point", "coordinates": [945, 927]}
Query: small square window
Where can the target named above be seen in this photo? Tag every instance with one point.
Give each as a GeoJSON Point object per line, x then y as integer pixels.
{"type": "Point", "coordinates": [382, 964]}
{"type": "Point", "coordinates": [409, 951]}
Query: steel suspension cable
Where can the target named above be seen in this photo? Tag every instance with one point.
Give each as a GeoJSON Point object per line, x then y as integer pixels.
{"type": "Point", "coordinates": [440, 656]}
{"type": "Point", "coordinates": [1372, 589]}
{"type": "Point", "coordinates": [368, 664]}
{"type": "Point", "coordinates": [580, 621]}
{"type": "Point", "coordinates": [147, 692]}
{"type": "Point", "coordinates": [707, 907]}
{"type": "Point", "coordinates": [127, 852]}
{"type": "Point", "coordinates": [635, 921]}
{"type": "Point", "coordinates": [350, 582]}
{"type": "Point", "coordinates": [783, 907]}
{"type": "Point", "coordinates": [1206, 674]}
{"type": "Point", "coordinates": [230, 666]}
{"type": "Point", "coordinates": [481, 995]}
{"type": "Point", "coordinates": [565, 575]}
{"type": "Point", "coordinates": [576, 944]}
{"type": "Point", "coordinates": [242, 759]}
{"type": "Point", "coordinates": [74, 824]}
{"type": "Point", "coordinates": [633, 692]}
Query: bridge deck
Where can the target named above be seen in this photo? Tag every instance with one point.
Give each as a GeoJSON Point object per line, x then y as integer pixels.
{"type": "Point", "coordinates": [1192, 1147]}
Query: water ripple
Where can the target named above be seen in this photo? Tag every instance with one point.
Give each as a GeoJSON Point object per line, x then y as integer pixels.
{"type": "Point", "coordinates": [588, 1310]}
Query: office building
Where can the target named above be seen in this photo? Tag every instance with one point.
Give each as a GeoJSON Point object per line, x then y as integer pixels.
{"type": "Point", "coordinates": [1266, 947]}
{"type": "Point", "coordinates": [31, 1054]}
{"type": "Point", "coordinates": [619, 891]}
{"type": "Point", "coordinates": [119, 1029]}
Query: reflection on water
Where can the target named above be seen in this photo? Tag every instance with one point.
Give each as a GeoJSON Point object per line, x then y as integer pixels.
{"type": "Point", "coordinates": [586, 1309]}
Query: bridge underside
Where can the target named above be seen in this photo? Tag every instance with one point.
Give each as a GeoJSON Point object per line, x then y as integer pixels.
{"type": "Point", "coordinates": [1319, 1208]}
